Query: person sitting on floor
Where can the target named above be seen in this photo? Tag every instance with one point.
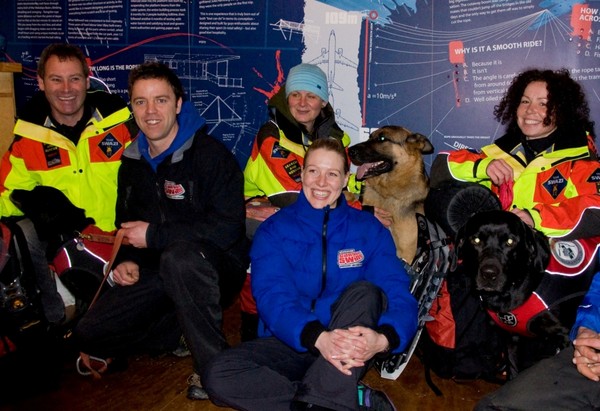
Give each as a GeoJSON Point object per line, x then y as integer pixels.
{"type": "Point", "coordinates": [180, 204]}
{"type": "Point", "coordinates": [70, 138]}
{"type": "Point", "coordinates": [329, 298]}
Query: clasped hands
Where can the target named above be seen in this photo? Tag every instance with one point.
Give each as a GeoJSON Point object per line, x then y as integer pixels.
{"type": "Point", "coordinates": [587, 353]}
{"type": "Point", "coordinates": [349, 348]}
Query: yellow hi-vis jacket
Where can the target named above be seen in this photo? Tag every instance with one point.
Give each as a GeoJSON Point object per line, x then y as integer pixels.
{"type": "Point", "coordinates": [556, 187]}
{"type": "Point", "coordinates": [86, 173]}
{"type": "Point", "coordinates": [274, 166]}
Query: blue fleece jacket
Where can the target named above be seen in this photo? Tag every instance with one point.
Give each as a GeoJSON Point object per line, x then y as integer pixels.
{"type": "Point", "coordinates": [189, 121]}
{"type": "Point", "coordinates": [588, 313]}
{"type": "Point", "coordinates": [287, 269]}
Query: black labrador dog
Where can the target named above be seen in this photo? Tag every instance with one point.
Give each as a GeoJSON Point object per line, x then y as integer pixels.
{"type": "Point", "coordinates": [507, 261]}
{"type": "Point", "coordinates": [53, 215]}
{"type": "Point", "coordinates": [59, 223]}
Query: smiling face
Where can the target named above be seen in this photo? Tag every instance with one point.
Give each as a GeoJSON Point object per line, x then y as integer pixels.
{"type": "Point", "coordinates": [323, 177]}
{"type": "Point", "coordinates": [65, 86]}
{"type": "Point", "coordinates": [155, 109]}
{"type": "Point", "coordinates": [305, 107]}
{"type": "Point", "coordinates": [533, 110]}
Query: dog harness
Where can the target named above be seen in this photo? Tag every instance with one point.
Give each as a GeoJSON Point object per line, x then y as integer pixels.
{"type": "Point", "coordinates": [567, 276]}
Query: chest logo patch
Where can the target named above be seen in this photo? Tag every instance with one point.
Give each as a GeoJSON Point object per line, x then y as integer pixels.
{"type": "Point", "coordinates": [174, 191]}
{"type": "Point", "coordinates": [555, 184]}
{"type": "Point", "coordinates": [110, 145]}
{"type": "Point", "coordinates": [52, 155]}
{"type": "Point", "coordinates": [350, 258]}
{"type": "Point", "coordinates": [595, 178]}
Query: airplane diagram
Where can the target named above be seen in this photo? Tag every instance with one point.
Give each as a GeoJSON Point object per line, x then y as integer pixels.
{"type": "Point", "coordinates": [331, 57]}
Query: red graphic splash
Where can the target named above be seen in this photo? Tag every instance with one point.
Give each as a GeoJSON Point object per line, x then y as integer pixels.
{"type": "Point", "coordinates": [275, 87]}
{"type": "Point", "coordinates": [581, 21]}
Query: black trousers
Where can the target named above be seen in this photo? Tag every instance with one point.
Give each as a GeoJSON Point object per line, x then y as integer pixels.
{"type": "Point", "coordinates": [551, 384]}
{"type": "Point", "coordinates": [182, 296]}
{"type": "Point", "coordinates": [266, 374]}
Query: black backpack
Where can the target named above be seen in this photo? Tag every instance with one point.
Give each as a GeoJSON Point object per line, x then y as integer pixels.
{"type": "Point", "coordinates": [30, 356]}
{"type": "Point", "coordinates": [461, 342]}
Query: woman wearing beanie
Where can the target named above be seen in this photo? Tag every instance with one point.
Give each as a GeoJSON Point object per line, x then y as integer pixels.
{"type": "Point", "coordinates": [299, 114]}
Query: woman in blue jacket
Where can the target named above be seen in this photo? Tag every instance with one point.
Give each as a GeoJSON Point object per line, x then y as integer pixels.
{"type": "Point", "coordinates": [331, 295]}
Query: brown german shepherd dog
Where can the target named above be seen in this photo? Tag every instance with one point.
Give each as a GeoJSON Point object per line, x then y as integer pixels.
{"type": "Point", "coordinates": [391, 164]}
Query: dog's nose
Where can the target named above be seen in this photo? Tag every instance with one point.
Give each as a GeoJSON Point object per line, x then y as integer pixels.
{"type": "Point", "coordinates": [489, 272]}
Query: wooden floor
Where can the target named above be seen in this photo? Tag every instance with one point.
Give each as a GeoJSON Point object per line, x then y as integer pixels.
{"type": "Point", "coordinates": [159, 383]}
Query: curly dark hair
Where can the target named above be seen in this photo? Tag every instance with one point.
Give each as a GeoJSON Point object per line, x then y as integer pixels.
{"type": "Point", "coordinates": [566, 101]}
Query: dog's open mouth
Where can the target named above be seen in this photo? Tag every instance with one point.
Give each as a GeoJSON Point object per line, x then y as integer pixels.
{"type": "Point", "coordinates": [367, 170]}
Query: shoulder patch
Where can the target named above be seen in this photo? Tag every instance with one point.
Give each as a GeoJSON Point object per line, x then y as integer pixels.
{"type": "Point", "coordinates": [293, 170]}
{"type": "Point", "coordinates": [568, 253]}
{"type": "Point", "coordinates": [278, 151]}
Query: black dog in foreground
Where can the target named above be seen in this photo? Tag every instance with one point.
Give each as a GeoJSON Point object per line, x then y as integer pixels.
{"type": "Point", "coordinates": [54, 217]}
{"type": "Point", "coordinates": [59, 223]}
{"type": "Point", "coordinates": [507, 261]}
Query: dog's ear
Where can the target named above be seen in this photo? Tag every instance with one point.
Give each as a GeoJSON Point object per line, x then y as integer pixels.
{"type": "Point", "coordinates": [422, 142]}
{"type": "Point", "coordinates": [538, 247]}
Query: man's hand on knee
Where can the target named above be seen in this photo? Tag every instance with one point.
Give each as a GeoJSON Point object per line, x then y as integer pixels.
{"type": "Point", "coordinates": [126, 273]}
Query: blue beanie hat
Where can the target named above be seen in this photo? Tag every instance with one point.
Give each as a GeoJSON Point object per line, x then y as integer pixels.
{"type": "Point", "coordinates": [307, 77]}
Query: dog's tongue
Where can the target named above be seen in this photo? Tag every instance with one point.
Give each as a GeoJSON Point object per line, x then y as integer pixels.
{"type": "Point", "coordinates": [362, 170]}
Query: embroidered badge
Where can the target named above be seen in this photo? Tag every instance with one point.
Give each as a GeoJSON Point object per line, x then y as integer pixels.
{"type": "Point", "coordinates": [568, 253]}
{"type": "Point", "coordinates": [508, 318]}
{"type": "Point", "coordinates": [555, 184]}
{"type": "Point", "coordinates": [174, 191]}
{"type": "Point", "coordinates": [52, 155]}
{"type": "Point", "coordinates": [110, 145]}
{"type": "Point", "coordinates": [595, 178]}
{"type": "Point", "coordinates": [350, 258]}
{"type": "Point", "coordinates": [279, 152]}
{"type": "Point", "coordinates": [294, 170]}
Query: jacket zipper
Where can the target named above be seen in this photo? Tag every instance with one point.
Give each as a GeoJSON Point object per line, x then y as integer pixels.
{"type": "Point", "coordinates": [323, 258]}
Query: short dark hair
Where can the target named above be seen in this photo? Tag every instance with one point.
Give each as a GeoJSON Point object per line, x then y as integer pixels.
{"type": "Point", "coordinates": [329, 144]}
{"type": "Point", "coordinates": [566, 101]}
{"type": "Point", "coordinates": [64, 51]}
{"type": "Point", "coordinates": [156, 70]}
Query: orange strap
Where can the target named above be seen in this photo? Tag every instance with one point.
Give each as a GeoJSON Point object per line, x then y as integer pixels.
{"type": "Point", "coordinates": [109, 265]}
